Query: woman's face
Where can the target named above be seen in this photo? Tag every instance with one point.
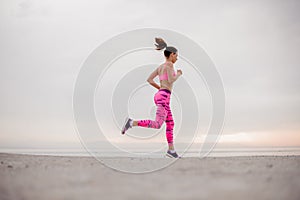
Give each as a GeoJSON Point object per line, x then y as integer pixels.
{"type": "Point", "coordinates": [174, 57]}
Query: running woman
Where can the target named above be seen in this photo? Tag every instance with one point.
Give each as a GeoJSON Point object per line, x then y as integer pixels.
{"type": "Point", "coordinates": [167, 77]}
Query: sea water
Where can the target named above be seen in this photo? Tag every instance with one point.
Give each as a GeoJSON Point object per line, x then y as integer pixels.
{"type": "Point", "coordinates": [217, 152]}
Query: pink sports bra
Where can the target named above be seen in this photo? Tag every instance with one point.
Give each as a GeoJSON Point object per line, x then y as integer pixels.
{"type": "Point", "coordinates": [165, 76]}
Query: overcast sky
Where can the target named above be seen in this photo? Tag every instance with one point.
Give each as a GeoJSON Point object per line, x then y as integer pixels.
{"type": "Point", "coordinates": [255, 46]}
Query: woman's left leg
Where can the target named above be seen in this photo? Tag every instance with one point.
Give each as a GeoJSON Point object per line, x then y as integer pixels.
{"type": "Point", "coordinates": [169, 127]}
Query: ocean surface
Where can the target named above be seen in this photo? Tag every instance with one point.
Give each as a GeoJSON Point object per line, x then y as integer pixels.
{"type": "Point", "coordinates": [224, 152]}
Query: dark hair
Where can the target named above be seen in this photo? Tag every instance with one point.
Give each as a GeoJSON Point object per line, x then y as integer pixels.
{"type": "Point", "coordinates": [161, 44]}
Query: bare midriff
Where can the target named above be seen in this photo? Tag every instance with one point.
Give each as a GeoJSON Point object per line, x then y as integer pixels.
{"type": "Point", "coordinates": [165, 84]}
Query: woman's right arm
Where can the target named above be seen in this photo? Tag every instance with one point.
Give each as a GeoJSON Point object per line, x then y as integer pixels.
{"type": "Point", "coordinates": [151, 77]}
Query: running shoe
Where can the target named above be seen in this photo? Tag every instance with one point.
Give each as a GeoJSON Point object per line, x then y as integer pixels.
{"type": "Point", "coordinates": [127, 125]}
{"type": "Point", "coordinates": [172, 155]}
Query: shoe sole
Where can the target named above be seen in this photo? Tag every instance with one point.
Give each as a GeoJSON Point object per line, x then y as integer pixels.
{"type": "Point", "coordinates": [169, 156]}
{"type": "Point", "coordinates": [123, 128]}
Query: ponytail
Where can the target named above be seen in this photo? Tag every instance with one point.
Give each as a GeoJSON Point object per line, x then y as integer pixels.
{"type": "Point", "coordinates": [161, 44]}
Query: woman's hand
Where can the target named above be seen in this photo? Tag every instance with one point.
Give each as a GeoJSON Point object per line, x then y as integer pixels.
{"type": "Point", "coordinates": [179, 71]}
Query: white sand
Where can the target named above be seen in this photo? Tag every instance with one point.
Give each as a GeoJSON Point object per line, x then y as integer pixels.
{"type": "Point", "coordinates": [52, 177]}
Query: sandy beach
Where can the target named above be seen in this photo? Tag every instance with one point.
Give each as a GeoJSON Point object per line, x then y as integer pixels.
{"type": "Point", "coordinates": [56, 177]}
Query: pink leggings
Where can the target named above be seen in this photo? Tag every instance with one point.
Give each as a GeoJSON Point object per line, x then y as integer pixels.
{"type": "Point", "coordinates": [163, 114]}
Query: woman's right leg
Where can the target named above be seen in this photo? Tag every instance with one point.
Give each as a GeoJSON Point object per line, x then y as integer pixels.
{"type": "Point", "coordinates": [160, 118]}
{"type": "Point", "coordinates": [160, 100]}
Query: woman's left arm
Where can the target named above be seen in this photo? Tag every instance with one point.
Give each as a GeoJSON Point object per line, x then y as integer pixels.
{"type": "Point", "coordinates": [151, 77]}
